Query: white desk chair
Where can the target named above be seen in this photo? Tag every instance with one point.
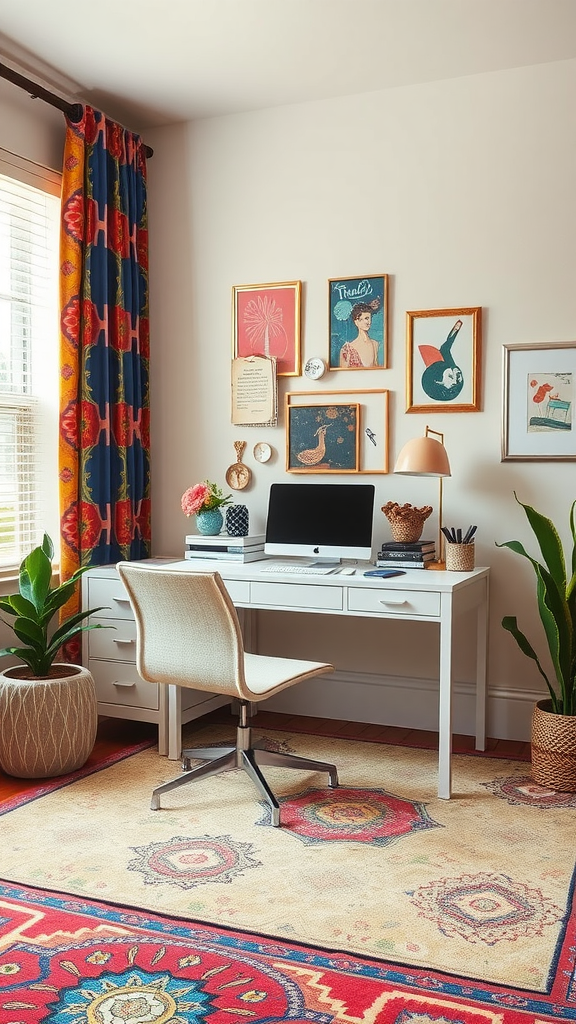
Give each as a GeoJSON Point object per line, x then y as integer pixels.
{"type": "Point", "coordinates": [188, 633]}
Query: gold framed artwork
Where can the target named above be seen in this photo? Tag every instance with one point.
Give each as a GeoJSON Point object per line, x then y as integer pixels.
{"type": "Point", "coordinates": [319, 438]}
{"type": "Point", "coordinates": [443, 360]}
{"type": "Point", "coordinates": [358, 319]}
{"type": "Point", "coordinates": [266, 322]}
{"type": "Point", "coordinates": [539, 394]}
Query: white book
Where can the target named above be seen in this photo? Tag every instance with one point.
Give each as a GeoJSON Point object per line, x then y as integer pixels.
{"type": "Point", "coordinates": [225, 540]}
{"type": "Point", "coordinates": [225, 556]}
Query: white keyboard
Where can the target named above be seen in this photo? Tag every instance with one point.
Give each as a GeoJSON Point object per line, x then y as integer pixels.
{"type": "Point", "coordinates": [297, 570]}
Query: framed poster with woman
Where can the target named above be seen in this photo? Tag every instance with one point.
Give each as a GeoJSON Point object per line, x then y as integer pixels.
{"type": "Point", "coordinates": [358, 318]}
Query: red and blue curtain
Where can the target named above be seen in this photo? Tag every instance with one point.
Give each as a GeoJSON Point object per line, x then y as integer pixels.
{"type": "Point", "coordinates": [104, 447]}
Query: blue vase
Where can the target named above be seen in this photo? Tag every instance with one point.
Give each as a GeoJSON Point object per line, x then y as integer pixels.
{"type": "Point", "coordinates": [209, 521]}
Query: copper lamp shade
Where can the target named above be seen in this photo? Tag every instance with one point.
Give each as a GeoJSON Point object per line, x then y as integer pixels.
{"type": "Point", "coordinates": [426, 456]}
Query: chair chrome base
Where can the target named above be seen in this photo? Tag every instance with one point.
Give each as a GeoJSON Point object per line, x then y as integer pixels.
{"type": "Point", "coordinates": [247, 756]}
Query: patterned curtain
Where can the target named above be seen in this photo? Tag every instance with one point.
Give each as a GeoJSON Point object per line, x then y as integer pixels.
{"type": "Point", "coordinates": [104, 449]}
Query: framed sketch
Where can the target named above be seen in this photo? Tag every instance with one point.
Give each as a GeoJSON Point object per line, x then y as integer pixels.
{"type": "Point", "coordinates": [266, 322]}
{"type": "Point", "coordinates": [322, 438]}
{"type": "Point", "coordinates": [358, 318]}
{"type": "Point", "coordinates": [443, 369]}
{"type": "Point", "coordinates": [539, 393]}
{"type": "Point", "coordinates": [373, 426]}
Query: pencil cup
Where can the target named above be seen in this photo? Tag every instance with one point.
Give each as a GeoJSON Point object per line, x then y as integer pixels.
{"type": "Point", "coordinates": [460, 557]}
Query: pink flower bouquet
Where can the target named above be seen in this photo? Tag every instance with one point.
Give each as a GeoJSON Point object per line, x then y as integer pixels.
{"type": "Point", "coordinates": [202, 497]}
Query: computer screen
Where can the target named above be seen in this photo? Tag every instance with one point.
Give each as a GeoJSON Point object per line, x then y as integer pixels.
{"type": "Point", "coordinates": [321, 521]}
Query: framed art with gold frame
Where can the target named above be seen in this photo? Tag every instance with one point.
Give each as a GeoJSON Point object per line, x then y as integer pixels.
{"type": "Point", "coordinates": [358, 320]}
{"type": "Point", "coordinates": [539, 394]}
{"type": "Point", "coordinates": [322, 438]}
{"type": "Point", "coordinates": [266, 322]}
{"type": "Point", "coordinates": [373, 431]}
{"type": "Point", "coordinates": [443, 360]}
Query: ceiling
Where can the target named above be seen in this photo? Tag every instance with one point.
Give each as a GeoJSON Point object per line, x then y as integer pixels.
{"type": "Point", "coordinates": [154, 62]}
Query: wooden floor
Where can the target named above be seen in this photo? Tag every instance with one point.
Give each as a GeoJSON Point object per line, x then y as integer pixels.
{"type": "Point", "coordinates": [114, 734]}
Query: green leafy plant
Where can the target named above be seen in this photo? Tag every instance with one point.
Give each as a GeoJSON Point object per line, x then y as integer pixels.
{"type": "Point", "coordinates": [556, 595]}
{"type": "Point", "coordinates": [34, 607]}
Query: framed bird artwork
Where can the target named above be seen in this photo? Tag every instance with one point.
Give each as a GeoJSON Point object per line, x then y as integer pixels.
{"type": "Point", "coordinates": [323, 439]}
{"type": "Point", "coordinates": [330, 450]}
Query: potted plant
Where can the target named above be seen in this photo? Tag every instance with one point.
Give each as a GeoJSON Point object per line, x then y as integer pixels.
{"type": "Point", "coordinates": [48, 711]}
{"type": "Point", "coordinates": [205, 501]}
{"type": "Point", "coordinates": [553, 719]}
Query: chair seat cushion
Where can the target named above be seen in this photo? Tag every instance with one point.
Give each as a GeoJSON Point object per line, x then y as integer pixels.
{"type": "Point", "coordinates": [266, 675]}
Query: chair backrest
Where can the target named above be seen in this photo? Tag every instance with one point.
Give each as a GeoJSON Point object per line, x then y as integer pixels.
{"type": "Point", "coordinates": [187, 629]}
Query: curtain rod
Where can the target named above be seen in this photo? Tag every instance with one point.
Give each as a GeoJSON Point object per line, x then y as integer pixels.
{"type": "Point", "coordinates": [72, 110]}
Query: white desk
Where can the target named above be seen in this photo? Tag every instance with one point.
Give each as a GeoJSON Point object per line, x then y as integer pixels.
{"type": "Point", "coordinates": [419, 596]}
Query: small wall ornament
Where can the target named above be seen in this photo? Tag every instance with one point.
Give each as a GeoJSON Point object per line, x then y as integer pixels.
{"type": "Point", "coordinates": [238, 476]}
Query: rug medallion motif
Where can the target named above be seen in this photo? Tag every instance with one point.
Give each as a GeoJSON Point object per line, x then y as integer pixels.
{"type": "Point", "coordinates": [189, 862]}
{"type": "Point", "coordinates": [351, 815]}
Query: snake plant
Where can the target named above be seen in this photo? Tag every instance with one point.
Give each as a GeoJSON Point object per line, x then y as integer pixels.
{"type": "Point", "coordinates": [556, 595]}
{"type": "Point", "coordinates": [34, 607]}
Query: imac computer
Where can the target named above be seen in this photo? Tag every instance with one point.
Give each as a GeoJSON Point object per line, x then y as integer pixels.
{"type": "Point", "coordinates": [326, 522]}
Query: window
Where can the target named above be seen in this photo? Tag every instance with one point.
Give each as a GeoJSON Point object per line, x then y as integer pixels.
{"type": "Point", "coordinates": [29, 238]}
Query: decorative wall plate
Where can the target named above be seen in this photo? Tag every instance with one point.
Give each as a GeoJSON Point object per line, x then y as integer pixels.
{"type": "Point", "coordinates": [262, 451]}
{"type": "Point", "coordinates": [238, 476]}
{"type": "Point", "coordinates": [315, 368]}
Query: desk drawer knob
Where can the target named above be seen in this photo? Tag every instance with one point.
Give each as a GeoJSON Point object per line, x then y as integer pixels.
{"type": "Point", "coordinates": [393, 604]}
{"type": "Point", "coordinates": [118, 682]}
{"type": "Point", "coordinates": [119, 640]}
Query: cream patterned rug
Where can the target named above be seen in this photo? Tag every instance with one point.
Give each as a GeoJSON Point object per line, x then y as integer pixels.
{"type": "Point", "coordinates": [479, 885]}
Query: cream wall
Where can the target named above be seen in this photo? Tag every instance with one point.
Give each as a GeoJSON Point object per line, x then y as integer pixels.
{"type": "Point", "coordinates": [463, 191]}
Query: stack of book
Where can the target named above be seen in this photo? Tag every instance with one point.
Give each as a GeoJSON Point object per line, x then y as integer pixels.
{"type": "Point", "coordinates": [229, 549]}
{"type": "Point", "coordinates": [395, 554]}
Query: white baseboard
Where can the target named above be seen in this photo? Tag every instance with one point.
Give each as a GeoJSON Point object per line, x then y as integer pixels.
{"type": "Point", "coordinates": [405, 702]}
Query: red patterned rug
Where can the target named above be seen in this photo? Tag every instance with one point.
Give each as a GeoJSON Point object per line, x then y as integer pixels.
{"type": "Point", "coordinates": [83, 961]}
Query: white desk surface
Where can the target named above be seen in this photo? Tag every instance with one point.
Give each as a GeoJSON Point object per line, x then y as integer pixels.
{"type": "Point", "coordinates": [437, 580]}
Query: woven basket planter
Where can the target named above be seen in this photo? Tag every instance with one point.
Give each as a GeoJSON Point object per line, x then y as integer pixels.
{"type": "Point", "coordinates": [47, 726]}
{"type": "Point", "coordinates": [406, 521]}
{"type": "Point", "coordinates": [553, 748]}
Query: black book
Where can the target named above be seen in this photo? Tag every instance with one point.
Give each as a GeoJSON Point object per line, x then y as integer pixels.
{"type": "Point", "coordinates": [419, 545]}
{"type": "Point", "coordinates": [406, 556]}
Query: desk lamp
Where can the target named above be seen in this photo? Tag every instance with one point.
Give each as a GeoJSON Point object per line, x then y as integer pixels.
{"type": "Point", "coordinates": [425, 456]}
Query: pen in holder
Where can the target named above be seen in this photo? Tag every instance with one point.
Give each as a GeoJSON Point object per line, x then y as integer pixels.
{"type": "Point", "coordinates": [459, 557]}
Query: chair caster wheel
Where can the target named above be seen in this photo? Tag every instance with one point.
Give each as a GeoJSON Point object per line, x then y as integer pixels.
{"type": "Point", "coordinates": [186, 764]}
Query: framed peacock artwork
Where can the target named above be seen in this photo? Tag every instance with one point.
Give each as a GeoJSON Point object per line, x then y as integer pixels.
{"type": "Point", "coordinates": [337, 431]}
{"type": "Point", "coordinates": [322, 439]}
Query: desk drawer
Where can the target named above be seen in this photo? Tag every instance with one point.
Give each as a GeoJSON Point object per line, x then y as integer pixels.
{"type": "Point", "coordinates": [120, 684]}
{"type": "Point", "coordinates": [239, 591]}
{"type": "Point", "coordinates": [110, 595]}
{"type": "Point", "coordinates": [406, 603]}
{"type": "Point", "coordinates": [118, 644]}
{"type": "Point", "coordinates": [297, 596]}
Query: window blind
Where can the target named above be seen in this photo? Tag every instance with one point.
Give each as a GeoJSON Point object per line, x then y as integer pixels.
{"type": "Point", "coordinates": [29, 236]}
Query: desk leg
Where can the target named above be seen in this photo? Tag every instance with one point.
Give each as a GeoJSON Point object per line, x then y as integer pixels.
{"type": "Point", "coordinates": [174, 722]}
{"type": "Point", "coordinates": [481, 668]}
{"type": "Point", "coordinates": [445, 700]}
{"type": "Point", "coordinates": [163, 713]}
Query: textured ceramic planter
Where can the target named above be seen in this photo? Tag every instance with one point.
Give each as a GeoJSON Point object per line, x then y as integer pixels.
{"type": "Point", "coordinates": [209, 522]}
{"type": "Point", "coordinates": [47, 726]}
{"type": "Point", "coordinates": [553, 748]}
